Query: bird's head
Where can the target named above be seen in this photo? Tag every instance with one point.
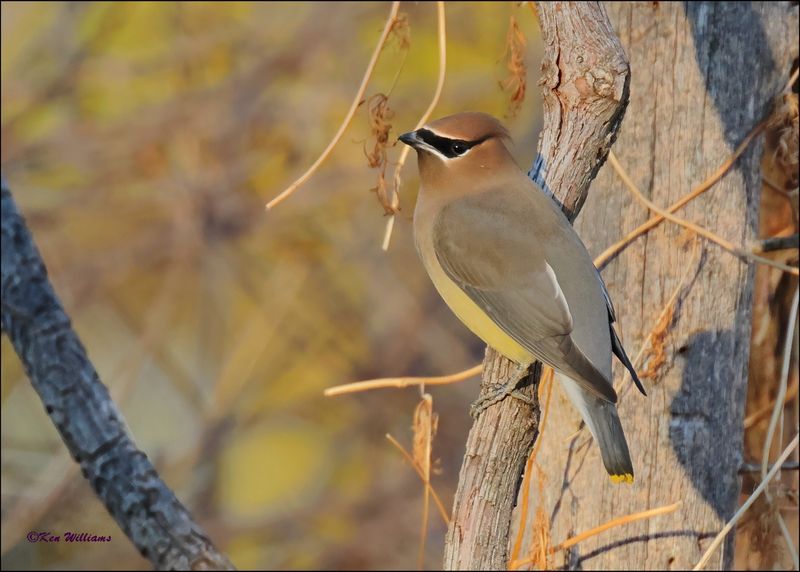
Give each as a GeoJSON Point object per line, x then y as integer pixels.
{"type": "Point", "coordinates": [467, 145]}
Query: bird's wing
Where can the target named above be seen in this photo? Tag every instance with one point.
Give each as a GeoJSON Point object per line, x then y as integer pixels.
{"type": "Point", "coordinates": [616, 343]}
{"type": "Point", "coordinates": [612, 315]}
{"type": "Point", "coordinates": [489, 246]}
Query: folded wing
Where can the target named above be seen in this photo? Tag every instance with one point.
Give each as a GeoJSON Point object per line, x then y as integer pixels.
{"type": "Point", "coordinates": [488, 246]}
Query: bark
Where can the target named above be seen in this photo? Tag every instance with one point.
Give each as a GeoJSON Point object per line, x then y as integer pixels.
{"type": "Point", "coordinates": [89, 423]}
{"type": "Point", "coordinates": [702, 75]}
{"type": "Point", "coordinates": [585, 85]}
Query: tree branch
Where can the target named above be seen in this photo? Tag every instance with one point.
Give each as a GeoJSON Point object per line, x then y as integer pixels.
{"type": "Point", "coordinates": [791, 242]}
{"type": "Point", "coordinates": [88, 421]}
{"type": "Point", "coordinates": [585, 78]}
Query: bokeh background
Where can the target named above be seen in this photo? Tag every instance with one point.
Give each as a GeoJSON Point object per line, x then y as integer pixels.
{"type": "Point", "coordinates": [141, 141]}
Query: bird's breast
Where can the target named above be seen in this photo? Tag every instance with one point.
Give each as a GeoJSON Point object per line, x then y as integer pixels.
{"type": "Point", "coordinates": [470, 314]}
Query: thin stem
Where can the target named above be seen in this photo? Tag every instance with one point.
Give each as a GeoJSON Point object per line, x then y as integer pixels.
{"type": "Point", "coordinates": [696, 192]}
{"type": "Point", "coordinates": [777, 415]}
{"type": "Point", "coordinates": [728, 246]}
{"type": "Point", "coordinates": [616, 522]}
{"type": "Point", "coordinates": [773, 243]}
{"type": "Point", "coordinates": [350, 113]}
{"type": "Point", "coordinates": [690, 268]}
{"type": "Point", "coordinates": [791, 81]}
{"type": "Point", "coordinates": [423, 120]}
{"type": "Point", "coordinates": [756, 416]}
{"type": "Point", "coordinates": [416, 467]}
{"type": "Point", "coordinates": [401, 382]}
{"type": "Point", "coordinates": [753, 468]}
{"type": "Point", "coordinates": [602, 528]}
{"type": "Point", "coordinates": [747, 504]}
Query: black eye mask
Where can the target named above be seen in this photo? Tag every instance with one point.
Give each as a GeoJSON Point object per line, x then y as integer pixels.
{"type": "Point", "coordinates": [450, 148]}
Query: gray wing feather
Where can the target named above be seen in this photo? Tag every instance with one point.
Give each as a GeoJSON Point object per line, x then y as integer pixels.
{"type": "Point", "coordinates": [488, 249]}
{"type": "Point", "coordinates": [616, 343]}
{"type": "Point", "coordinates": [612, 315]}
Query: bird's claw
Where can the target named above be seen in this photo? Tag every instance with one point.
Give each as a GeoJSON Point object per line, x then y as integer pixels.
{"type": "Point", "coordinates": [500, 393]}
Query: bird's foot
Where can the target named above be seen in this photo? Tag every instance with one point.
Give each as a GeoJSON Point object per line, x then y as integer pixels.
{"type": "Point", "coordinates": [500, 392]}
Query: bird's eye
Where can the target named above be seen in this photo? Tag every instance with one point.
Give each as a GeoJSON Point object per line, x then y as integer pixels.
{"type": "Point", "coordinates": [458, 148]}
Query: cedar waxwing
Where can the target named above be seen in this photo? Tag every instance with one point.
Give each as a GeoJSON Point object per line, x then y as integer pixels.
{"type": "Point", "coordinates": [511, 267]}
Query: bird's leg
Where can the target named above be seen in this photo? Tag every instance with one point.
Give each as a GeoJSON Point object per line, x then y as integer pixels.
{"type": "Point", "coordinates": [498, 392]}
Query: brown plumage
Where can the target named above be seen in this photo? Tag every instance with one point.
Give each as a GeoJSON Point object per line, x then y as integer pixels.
{"type": "Point", "coordinates": [511, 267]}
{"type": "Point", "coordinates": [470, 126]}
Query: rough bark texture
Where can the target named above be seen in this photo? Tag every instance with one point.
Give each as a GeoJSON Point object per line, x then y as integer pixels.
{"type": "Point", "coordinates": [497, 448]}
{"type": "Point", "coordinates": [702, 75]}
{"type": "Point", "coordinates": [585, 79]}
{"type": "Point", "coordinates": [585, 84]}
{"type": "Point", "coordinates": [81, 409]}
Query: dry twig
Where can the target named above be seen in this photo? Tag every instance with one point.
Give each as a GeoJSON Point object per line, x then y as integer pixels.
{"type": "Point", "coordinates": [654, 221]}
{"type": "Point", "coordinates": [747, 504]}
{"type": "Point", "coordinates": [357, 100]}
{"type": "Point", "coordinates": [756, 416]}
{"type": "Point", "coordinates": [401, 382]}
{"type": "Point", "coordinates": [728, 246]}
{"type": "Point", "coordinates": [572, 541]}
{"type": "Point", "coordinates": [380, 115]}
{"type": "Point", "coordinates": [395, 193]}
{"type": "Point", "coordinates": [616, 522]}
{"type": "Point", "coordinates": [516, 82]}
{"type": "Point", "coordinates": [773, 243]}
{"type": "Point", "coordinates": [418, 469]}
{"type": "Point", "coordinates": [777, 415]}
{"type": "Point", "coordinates": [425, 424]}
{"type": "Point", "coordinates": [754, 468]}
{"type": "Point", "coordinates": [656, 338]}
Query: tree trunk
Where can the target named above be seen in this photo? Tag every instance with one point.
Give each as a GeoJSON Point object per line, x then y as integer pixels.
{"type": "Point", "coordinates": [702, 75]}
{"type": "Point", "coordinates": [585, 86]}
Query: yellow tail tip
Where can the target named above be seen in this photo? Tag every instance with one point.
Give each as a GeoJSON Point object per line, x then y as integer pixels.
{"type": "Point", "coordinates": [626, 478]}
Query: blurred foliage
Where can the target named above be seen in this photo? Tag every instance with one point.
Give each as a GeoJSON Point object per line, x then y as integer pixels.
{"type": "Point", "coordinates": [141, 140]}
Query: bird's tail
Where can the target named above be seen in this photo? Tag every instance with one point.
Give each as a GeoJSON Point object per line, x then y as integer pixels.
{"type": "Point", "coordinates": [603, 421]}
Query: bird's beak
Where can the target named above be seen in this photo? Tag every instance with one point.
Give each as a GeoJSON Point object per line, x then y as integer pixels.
{"type": "Point", "coordinates": [410, 139]}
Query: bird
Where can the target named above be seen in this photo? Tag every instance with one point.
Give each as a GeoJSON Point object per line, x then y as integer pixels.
{"type": "Point", "coordinates": [505, 259]}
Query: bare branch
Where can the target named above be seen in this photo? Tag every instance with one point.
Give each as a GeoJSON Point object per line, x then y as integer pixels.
{"type": "Point", "coordinates": [87, 419]}
{"type": "Point", "coordinates": [777, 243]}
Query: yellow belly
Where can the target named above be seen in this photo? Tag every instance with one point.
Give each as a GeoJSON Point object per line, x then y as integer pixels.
{"type": "Point", "coordinates": [472, 316]}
